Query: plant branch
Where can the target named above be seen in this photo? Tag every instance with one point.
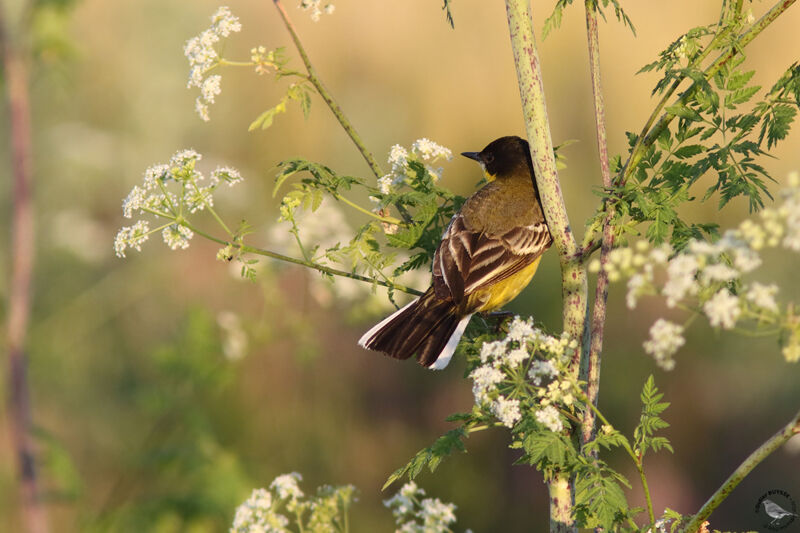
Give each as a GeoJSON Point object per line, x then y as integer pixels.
{"type": "Point", "coordinates": [649, 135]}
{"type": "Point", "coordinates": [326, 96]}
{"type": "Point", "coordinates": [310, 264]}
{"type": "Point", "coordinates": [591, 370]}
{"type": "Point", "coordinates": [763, 451]}
{"type": "Point", "coordinates": [15, 72]}
{"type": "Point", "coordinates": [573, 272]}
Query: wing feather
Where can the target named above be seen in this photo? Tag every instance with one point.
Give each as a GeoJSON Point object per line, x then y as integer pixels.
{"type": "Point", "coordinates": [468, 260]}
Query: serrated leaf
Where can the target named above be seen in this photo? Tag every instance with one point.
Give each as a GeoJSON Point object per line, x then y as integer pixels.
{"type": "Point", "coordinates": [690, 150]}
{"type": "Point", "coordinates": [683, 111]}
{"type": "Point", "coordinates": [431, 456]}
{"type": "Point", "coordinates": [266, 118]}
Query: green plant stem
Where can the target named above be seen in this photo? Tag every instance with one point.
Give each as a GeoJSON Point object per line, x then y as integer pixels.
{"type": "Point", "coordinates": [591, 370]}
{"type": "Point", "coordinates": [229, 63]}
{"type": "Point", "coordinates": [573, 273]}
{"type": "Point", "coordinates": [310, 264]}
{"type": "Point", "coordinates": [649, 135]}
{"type": "Point", "coordinates": [386, 220]}
{"type": "Point", "coordinates": [326, 95]}
{"type": "Point", "coordinates": [636, 459]}
{"type": "Point", "coordinates": [762, 452]}
{"type": "Point", "coordinates": [650, 514]}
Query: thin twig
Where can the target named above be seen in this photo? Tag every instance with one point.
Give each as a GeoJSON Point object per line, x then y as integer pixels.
{"type": "Point", "coordinates": [326, 95]}
{"type": "Point", "coordinates": [773, 443]}
{"type": "Point", "coordinates": [15, 73]}
{"type": "Point", "coordinates": [310, 264]}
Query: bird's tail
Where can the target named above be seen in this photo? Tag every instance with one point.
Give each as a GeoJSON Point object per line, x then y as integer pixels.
{"type": "Point", "coordinates": [428, 326]}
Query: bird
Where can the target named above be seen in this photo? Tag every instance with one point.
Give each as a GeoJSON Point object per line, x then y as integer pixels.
{"type": "Point", "coordinates": [775, 511]}
{"type": "Point", "coordinates": [489, 252]}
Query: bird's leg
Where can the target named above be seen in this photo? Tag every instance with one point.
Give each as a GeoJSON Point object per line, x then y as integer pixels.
{"type": "Point", "coordinates": [500, 316]}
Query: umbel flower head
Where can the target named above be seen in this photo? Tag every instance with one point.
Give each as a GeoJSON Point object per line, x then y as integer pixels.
{"type": "Point", "coordinates": [203, 56]}
{"type": "Point", "coordinates": [170, 191]}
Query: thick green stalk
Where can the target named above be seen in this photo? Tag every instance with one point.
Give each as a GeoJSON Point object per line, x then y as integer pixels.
{"type": "Point", "coordinates": [573, 273]}
{"type": "Point", "coordinates": [776, 441]}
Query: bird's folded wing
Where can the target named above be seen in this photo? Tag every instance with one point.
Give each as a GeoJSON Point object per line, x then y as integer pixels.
{"type": "Point", "coordinates": [468, 260]}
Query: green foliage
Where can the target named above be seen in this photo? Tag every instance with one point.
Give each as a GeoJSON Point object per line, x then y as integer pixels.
{"type": "Point", "coordinates": [599, 498]}
{"type": "Point", "coordinates": [431, 456]}
{"type": "Point", "coordinates": [650, 421]}
{"type": "Point", "coordinates": [554, 20]}
{"type": "Point", "coordinates": [298, 92]}
{"type": "Point", "coordinates": [715, 128]}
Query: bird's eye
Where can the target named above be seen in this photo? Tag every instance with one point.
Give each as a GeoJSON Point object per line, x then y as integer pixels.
{"type": "Point", "coordinates": [488, 158]}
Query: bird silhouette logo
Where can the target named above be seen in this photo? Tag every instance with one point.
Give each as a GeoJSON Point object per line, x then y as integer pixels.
{"type": "Point", "coordinates": [777, 509]}
{"type": "Point", "coordinates": [776, 512]}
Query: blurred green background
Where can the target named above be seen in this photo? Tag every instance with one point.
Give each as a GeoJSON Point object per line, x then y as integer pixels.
{"type": "Point", "coordinates": [142, 421]}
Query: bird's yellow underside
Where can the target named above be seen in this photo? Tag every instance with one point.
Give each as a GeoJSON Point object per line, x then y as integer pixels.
{"type": "Point", "coordinates": [499, 294]}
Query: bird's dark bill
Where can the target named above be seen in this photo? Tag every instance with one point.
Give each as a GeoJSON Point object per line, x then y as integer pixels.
{"type": "Point", "coordinates": [472, 155]}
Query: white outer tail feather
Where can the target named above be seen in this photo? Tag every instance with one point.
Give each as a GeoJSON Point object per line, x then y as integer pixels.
{"type": "Point", "coordinates": [445, 355]}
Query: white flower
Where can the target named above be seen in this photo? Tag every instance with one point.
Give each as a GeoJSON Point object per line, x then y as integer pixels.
{"type": "Point", "coordinates": [541, 369]}
{"type": "Point", "coordinates": [257, 516]}
{"type": "Point", "coordinates": [494, 350]}
{"type": "Point", "coordinates": [550, 418]}
{"type": "Point", "coordinates": [133, 202]}
{"type": "Point", "coordinates": [521, 330]}
{"type": "Point", "coordinates": [506, 411]}
{"type": "Point", "coordinates": [398, 156]}
{"type": "Point", "coordinates": [436, 515]}
{"type": "Point", "coordinates": [131, 237]}
{"type": "Point", "coordinates": [229, 175]}
{"type": "Point", "coordinates": [430, 151]}
{"type": "Point", "coordinates": [485, 379]}
{"type": "Point", "coordinates": [286, 486]}
{"type": "Point", "coordinates": [635, 285]}
{"type": "Point", "coordinates": [210, 88]}
{"type": "Point", "coordinates": [314, 7]}
{"type": "Point", "coordinates": [177, 236]}
{"type": "Point", "coordinates": [665, 339]}
{"type": "Point", "coordinates": [516, 356]}
{"type": "Point", "coordinates": [722, 309]}
{"type": "Point", "coordinates": [681, 282]}
{"type": "Point", "coordinates": [763, 296]}
{"type": "Point", "coordinates": [203, 57]}
{"type": "Point", "coordinates": [718, 272]}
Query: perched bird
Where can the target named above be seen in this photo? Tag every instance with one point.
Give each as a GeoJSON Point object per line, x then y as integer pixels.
{"type": "Point", "coordinates": [775, 511]}
{"type": "Point", "coordinates": [488, 254]}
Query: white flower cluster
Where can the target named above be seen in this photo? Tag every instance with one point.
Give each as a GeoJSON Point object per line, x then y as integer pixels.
{"type": "Point", "coordinates": [286, 488]}
{"type": "Point", "coordinates": [665, 339]}
{"type": "Point", "coordinates": [154, 197]}
{"type": "Point", "coordinates": [705, 275]}
{"type": "Point", "coordinates": [203, 57]}
{"type": "Point", "coordinates": [422, 151]}
{"type": "Point", "coordinates": [257, 515]}
{"type": "Point", "coordinates": [261, 513]}
{"type": "Point", "coordinates": [316, 8]}
{"type": "Point", "coordinates": [502, 359]}
{"type": "Point", "coordinates": [413, 514]}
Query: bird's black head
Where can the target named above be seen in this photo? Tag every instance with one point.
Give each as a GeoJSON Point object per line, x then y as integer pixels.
{"type": "Point", "coordinates": [504, 157]}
